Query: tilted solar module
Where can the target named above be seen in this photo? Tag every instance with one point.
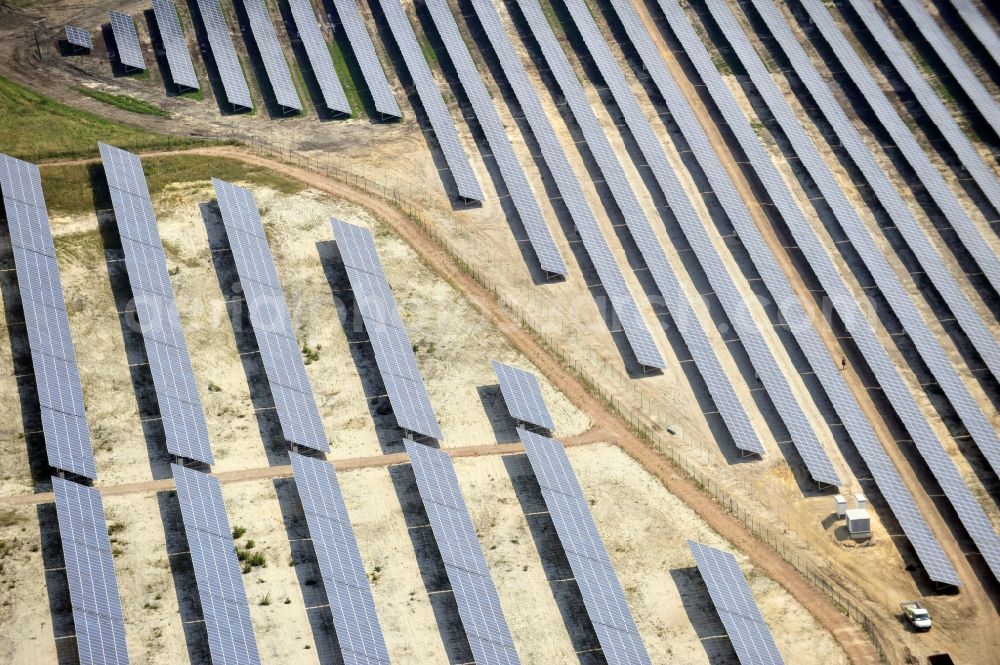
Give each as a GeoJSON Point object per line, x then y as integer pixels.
{"type": "Point", "coordinates": [511, 169]}
{"type": "Point", "coordinates": [895, 54]}
{"type": "Point", "coordinates": [294, 399]}
{"type": "Point", "coordinates": [60, 393]}
{"type": "Point", "coordinates": [523, 396]}
{"type": "Point", "coordinates": [319, 56]}
{"type": "Point", "coordinates": [79, 37]}
{"type": "Point", "coordinates": [765, 365]}
{"type": "Point", "coordinates": [899, 393]}
{"type": "Point", "coordinates": [224, 53]}
{"type": "Point", "coordinates": [364, 52]}
{"type": "Point", "coordinates": [224, 606]}
{"type": "Point", "coordinates": [393, 351]}
{"type": "Point", "coordinates": [163, 336]}
{"type": "Point", "coordinates": [739, 612]}
{"type": "Point", "coordinates": [175, 45]}
{"type": "Point", "coordinates": [90, 571]}
{"type": "Point", "coordinates": [602, 592]}
{"type": "Point", "coordinates": [475, 594]}
{"type": "Point", "coordinates": [979, 26]}
{"type": "Point", "coordinates": [433, 103]}
{"type": "Point", "coordinates": [903, 506]}
{"type": "Point", "coordinates": [344, 577]}
{"type": "Point", "coordinates": [270, 52]}
{"type": "Point", "coordinates": [127, 40]}
{"type": "Point", "coordinates": [982, 338]}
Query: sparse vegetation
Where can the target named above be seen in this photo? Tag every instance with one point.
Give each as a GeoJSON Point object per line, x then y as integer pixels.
{"type": "Point", "coordinates": [213, 387]}
{"type": "Point", "coordinates": [124, 102]}
{"type": "Point", "coordinates": [311, 354]}
{"type": "Point", "coordinates": [266, 600]}
{"type": "Point", "coordinates": [238, 532]}
{"type": "Point", "coordinates": [9, 517]}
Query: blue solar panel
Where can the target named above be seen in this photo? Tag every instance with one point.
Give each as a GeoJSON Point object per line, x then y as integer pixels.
{"type": "Point", "coordinates": [169, 361]}
{"type": "Point", "coordinates": [364, 52]}
{"type": "Point", "coordinates": [127, 40]}
{"type": "Point", "coordinates": [731, 595]}
{"type": "Point", "coordinates": [344, 576]}
{"type": "Point", "coordinates": [286, 373]}
{"type": "Point", "coordinates": [60, 393]}
{"type": "Point", "coordinates": [90, 570]}
{"type": "Point", "coordinates": [882, 469]}
{"type": "Point", "coordinates": [234, 82]}
{"type": "Point", "coordinates": [476, 596]}
{"type": "Point", "coordinates": [602, 592]}
{"type": "Point", "coordinates": [79, 37]}
{"type": "Point", "coordinates": [979, 26]}
{"type": "Point", "coordinates": [523, 396]}
{"type": "Point", "coordinates": [174, 44]}
{"type": "Point", "coordinates": [272, 55]}
{"type": "Point", "coordinates": [319, 56]}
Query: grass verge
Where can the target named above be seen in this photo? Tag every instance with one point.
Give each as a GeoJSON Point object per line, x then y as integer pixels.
{"type": "Point", "coordinates": [124, 102]}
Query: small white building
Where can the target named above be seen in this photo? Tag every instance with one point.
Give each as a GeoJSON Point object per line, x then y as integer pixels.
{"type": "Point", "coordinates": [859, 523]}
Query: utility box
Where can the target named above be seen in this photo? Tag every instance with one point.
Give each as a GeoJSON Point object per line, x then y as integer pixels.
{"type": "Point", "coordinates": [861, 500]}
{"type": "Point", "coordinates": [859, 524]}
{"type": "Point", "coordinates": [841, 505]}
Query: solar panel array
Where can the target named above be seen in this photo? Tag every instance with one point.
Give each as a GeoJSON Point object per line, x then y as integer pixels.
{"type": "Point", "coordinates": [390, 341]}
{"type": "Point", "coordinates": [270, 52]}
{"type": "Point", "coordinates": [175, 45]}
{"type": "Point", "coordinates": [224, 53]}
{"type": "Point", "coordinates": [224, 606]}
{"type": "Point", "coordinates": [294, 400]}
{"type": "Point", "coordinates": [523, 396]}
{"type": "Point", "coordinates": [79, 37]}
{"type": "Point", "coordinates": [891, 486]}
{"type": "Point", "coordinates": [90, 571]}
{"type": "Point", "coordinates": [897, 55]}
{"type": "Point", "coordinates": [364, 53]}
{"type": "Point", "coordinates": [60, 394]}
{"type": "Point", "coordinates": [765, 364]}
{"type": "Point", "coordinates": [431, 100]}
{"type": "Point", "coordinates": [475, 594]}
{"type": "Point", "coordinates": [343, 572]}
{"type": "Point", "coordinates": [927, 344]}
{"type": "Point", "coordinates": [883, 368]}
{"type": "Point", "coordinates": [739, 612]}
{"type": "Point", "coordinates": [319, 56]}
{"type": "Point", "coordinates": [127, 40]}
{"type": "Point", "coordinates": [511, 170]}
{"type": "Point", "coordinates": [979, 26]}
{"type": "Point", "coordinates": [602, 592]}
{"type": "Point", "coordinates": [169, 362]}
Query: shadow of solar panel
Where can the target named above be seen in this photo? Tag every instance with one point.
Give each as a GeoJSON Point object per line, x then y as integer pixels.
{"type": "Point", "coordinates": [340, 564]}
{"type": "Point", "coordinates": [79, 37]}
{"type": "Point", "coordinates": [176, 47]}
{"type": "Point", "coordinates": [57, 379]}
{"type": "Point", "coordinates": [523, 395]}
{"type": "Point", "coordinates": [973, 517]}
{"type": "Point", "coordinates": [216, 569]}
{"type": "Point", "coordinates": [364, 52]}
{"type": "Point", "coordinates": [163, 336]}
{"type": "Point", "coordinates": [740, 615]}
{"type": "Point", "coordinates": [127, 40]}
{"type": "Point", "coordinates": [293, 395]}
{"type": "Point", "coordinates": [476, 596]}
{"type": "Point", "coordinates": [431, 100]}
{"type": "Point", "coordinates": [90, 570]}
{"type": "Point", "coordinates": [855, 421]}
{"type": "Point", "coordinates": [319, 56]}
{"type": "Point", "coordinates": [272, 55]}
{"type": "Point", "coordinates": [602, 592]}
{"type": "Point", "coordinates": [224, 52]}
{"type": "Point", "coordinates": [390, 341]}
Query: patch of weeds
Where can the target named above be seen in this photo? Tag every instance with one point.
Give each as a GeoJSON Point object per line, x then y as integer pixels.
{"type": "Point", "coordinates": [124, 102]}
{"type": "Point", "coordinates": [311, 354]}
{"type": "Point", "coordinates": [266, 600]}
{"type": "Point", "coordinates": [213, 387]}
{"type": "Point", "coordinates": [238, 532]}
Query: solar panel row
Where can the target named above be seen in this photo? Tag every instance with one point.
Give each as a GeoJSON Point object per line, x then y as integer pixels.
{"type": "Point", "coordinates": [279, 349]}
{"type": "Point", "coordinates": [431, 100]}
{"type": "Point", "coordinates": [163, 336]}
{"type": "Point", "coordinates": [90, 571]}
{"type": "Point", "coordinates": [231, 639]}
{"type": "Point", "coordinates": [319, 56]}
{"type": "Point", "coordinates": [390, 341]}
{"type": "Point", "coordinates": [224, 53]}
{"type": "Point", "coordinates": [979, 26]}
{"type": "Point", "coordinates": [175, 45]}
{"type": "Point", "coordinates": [982, 338]}
{"type": "Point", "coordinates": [455, 535]}
{"type": "Point", "coordinates": [127, 40]}
{"type": "Point", "coordinates": [270, 52]}
{"type": "Point", "coordinates": [739, 612]}
{"type": "Point", "coordinates": [523, 396]}
{"type": "Point", "coordinates": [765, 364]}
{"type": "Point", "coordinates": [896, 389]}
{"type": "Point", "coordinates": [57, 378]}
{"type": "Point", "coordinates": [511, 170]}
{"type": "Point", "coordinates": [883, 471]}
{"type": "Point", "coordinates": [364, 53]}
{"type": "Point", "coordinates": [79, 37]}
{"type": "Point", "coordinates": [602, 592]}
